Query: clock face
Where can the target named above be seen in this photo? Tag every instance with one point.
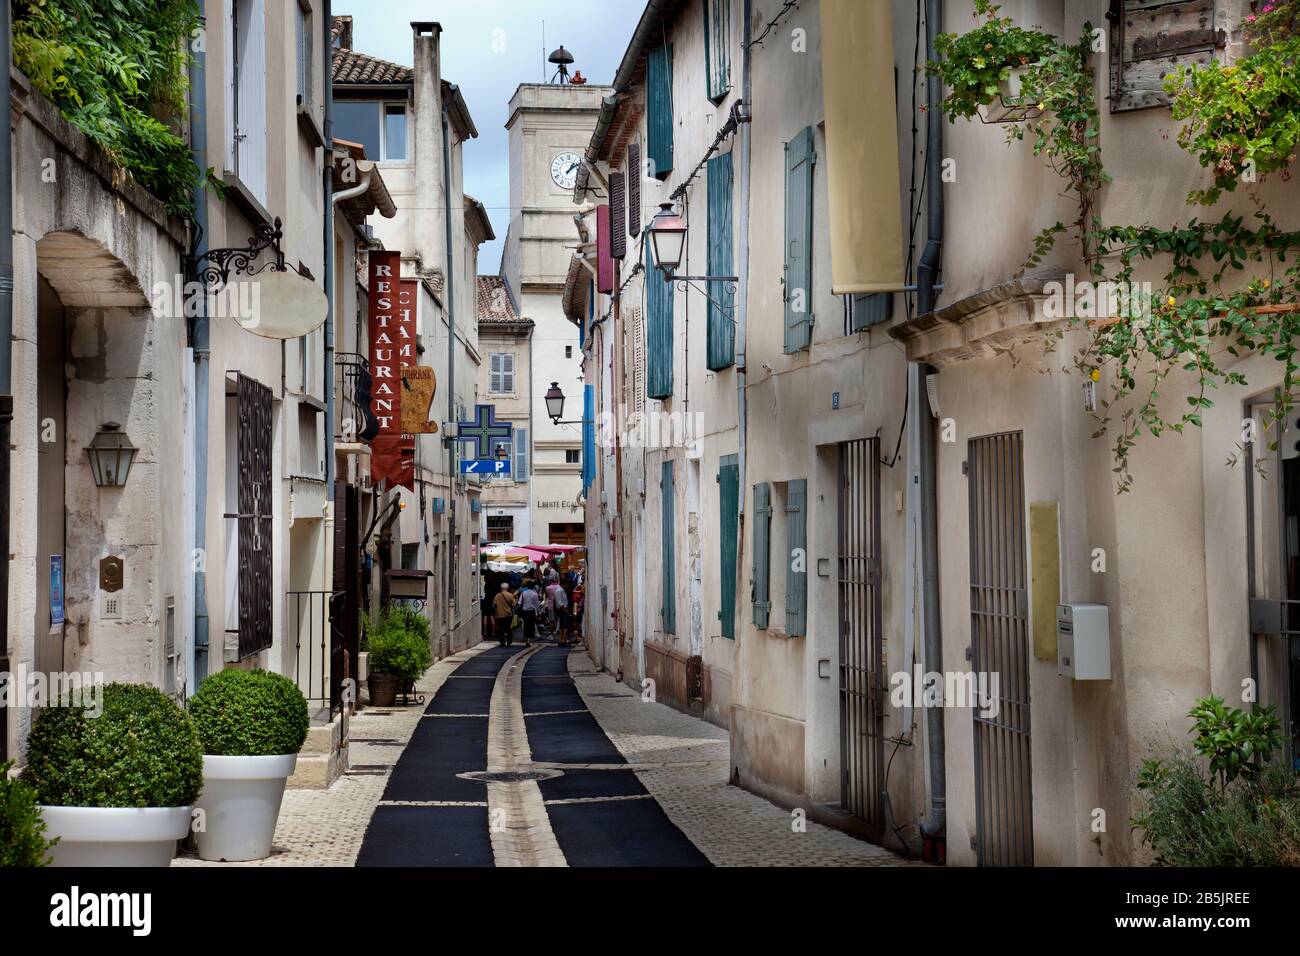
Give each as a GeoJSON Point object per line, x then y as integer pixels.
{"type": "Point", "coordinates": [564, 169]}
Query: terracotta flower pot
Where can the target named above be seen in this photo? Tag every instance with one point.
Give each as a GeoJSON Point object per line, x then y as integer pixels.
{"type": "Point", "coordinates": [383, 689]}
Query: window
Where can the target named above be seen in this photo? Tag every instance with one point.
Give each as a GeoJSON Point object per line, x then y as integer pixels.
{"type": "Point", "coordinates": [379, 127]}
{"type": "Point", "coordinates": [572, 456]}
{"type": "Point", "coordinates": [501, 372]}
{"type": "Point", "coordinates": [519, 467]}
{"type": "Point", "coordinates": [659, 112]}
{"type": "Point", "coordinates": [568, 351]}
{"type": "Point", "coordinates": [667, 501]}
{"type": "Point", "coordinates": [721, 338]}
{"type": "Point", "coordinates": [797, 292]}
{"type": "Point", "coordinates": [717, 47]}
{"type": "Point", "coordinates": [411, 557]}
{"type": "Point", "coordinates": [1148, 40]}
{"type": "Point", "coordinates": [306, 44]}
{"type": "Point", "coordinates": [246, 95]}
{"type": "Point", "coordinates": [500, 528]}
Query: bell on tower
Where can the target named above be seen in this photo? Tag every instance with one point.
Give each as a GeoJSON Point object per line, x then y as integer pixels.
{"type": "Point", "coordinates": [561, 58]}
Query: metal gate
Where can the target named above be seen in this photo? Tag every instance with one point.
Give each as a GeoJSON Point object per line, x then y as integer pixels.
{"type": "Point", "coordinates": [862, 697]}
{"type": "Point", "coordinates": [999, 609]}
{"type": "Point", "coordinates": [253, 404]}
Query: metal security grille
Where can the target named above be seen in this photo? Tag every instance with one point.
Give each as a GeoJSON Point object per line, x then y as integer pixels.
{"type": "Point", "coordinates": [862, 698]}
{"type": "Point", "coordinates": [255, 544]}
{"type": "Point", "coordinates": [999, 607]}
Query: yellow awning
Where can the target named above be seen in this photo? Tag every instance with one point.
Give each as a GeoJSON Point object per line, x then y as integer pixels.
{"type": "Point", "coordinates": [861, 146]}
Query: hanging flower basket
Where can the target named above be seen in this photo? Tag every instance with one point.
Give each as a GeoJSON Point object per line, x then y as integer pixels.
{"type": "Point", "coordinates": [1011, 105]}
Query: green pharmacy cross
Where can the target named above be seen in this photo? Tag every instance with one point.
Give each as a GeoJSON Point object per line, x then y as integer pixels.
{"type": "Point", "coordinates": [482, 430]}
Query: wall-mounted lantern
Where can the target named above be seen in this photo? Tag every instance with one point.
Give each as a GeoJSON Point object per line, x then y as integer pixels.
{"type": "Point", "coordinates": [667, 232]}
{"type": "Point", "coordinates": [111, 455]}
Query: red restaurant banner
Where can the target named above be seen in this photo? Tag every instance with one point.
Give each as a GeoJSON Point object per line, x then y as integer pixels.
{"type": "Point", "coordinates": [392, 346]}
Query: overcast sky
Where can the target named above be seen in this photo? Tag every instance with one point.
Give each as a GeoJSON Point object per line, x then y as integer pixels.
{"type": "Point", "coordinates": [489, 47]}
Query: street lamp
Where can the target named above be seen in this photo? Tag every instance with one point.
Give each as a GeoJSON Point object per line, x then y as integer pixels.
{"type": "Point", "coordinates": [555, 407]}
{"type": "Point", "coordinates": [667, 238]}
{"type": "Point", "coordinates": [111, 454]}
{"type": "Point", "coordinates": [667, 232]}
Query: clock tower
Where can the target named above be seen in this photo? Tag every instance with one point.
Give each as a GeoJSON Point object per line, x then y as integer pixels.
{"type": "Point", "coordinates": [550, 126]}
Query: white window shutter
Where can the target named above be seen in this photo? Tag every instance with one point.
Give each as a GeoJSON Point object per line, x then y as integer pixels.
{"type": "Point", "coordinates": [520, 464]}
{"type": "Point", "coordinates": [228, 14]}
{"type": "Point", "coordinates": [251, 121]}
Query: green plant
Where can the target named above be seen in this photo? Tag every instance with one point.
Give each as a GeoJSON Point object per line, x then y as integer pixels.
{"type": "Point", "coordinates": [249, 714]}
{"type": "Point", "coordinates": [1233, 740]}
{"type": "Point", "coordinates": [399, 644]}
{"type": "Point", "coordinates": [117, 70]}
{"type": "Point", "coordinates": [141, 751]}
{"type": "Point", "coordinates": [972, 65]}
{"type": "Point", "coordinates": [1240, 120]}
{"type": "Point", "coordinates": [1188, 820]}
{"type": "Point", "coordinates": [22, 831]}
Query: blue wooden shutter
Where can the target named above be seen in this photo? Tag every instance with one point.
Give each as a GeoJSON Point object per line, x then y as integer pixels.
{"type": "Point", "coordinates": [588, 436]}
{"type": "Point", "coordinates": [762, 597]}
{"type": "Point", "coordinates": [721, 351]}
{"type": "Point", "coordinates": [729, 526]}
{"type": "Point", "coordinates": [667, 500]}
{"type": "Point", "coordinates": [866, 310]}
{"type": "Point", "coordinates": [799, 161]}
{"type": "Point", "coordinates": [717, 47]}
{"type": "Point", "coordinates": [796, 581]}
{"type": "Point", "coordinates": [659, 331]}
{"type": "Point", "coordinates": [659, 110]}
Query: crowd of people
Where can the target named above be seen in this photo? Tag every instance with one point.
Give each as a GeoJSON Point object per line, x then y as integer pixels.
{"type": "Point", "coordinates": [543, 603]}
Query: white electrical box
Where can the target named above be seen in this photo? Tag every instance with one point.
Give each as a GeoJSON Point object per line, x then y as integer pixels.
{"type": "Point", "coordinates": [1083, 641]}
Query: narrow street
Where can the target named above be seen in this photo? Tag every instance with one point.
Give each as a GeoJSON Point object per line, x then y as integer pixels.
{"type": "Point", "coordinates": [530, 757]}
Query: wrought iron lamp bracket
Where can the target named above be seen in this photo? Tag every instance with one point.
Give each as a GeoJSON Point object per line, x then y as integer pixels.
{"type": "Point", "coordinates": [729, 285]}
{"type": "Point", "coordinates": [215, 267]}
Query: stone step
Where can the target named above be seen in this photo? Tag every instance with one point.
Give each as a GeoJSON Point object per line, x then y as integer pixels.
{"type": "Point", "coordinates": [318, 771]}
{"type": "Point", "coordinates": [323, 738]}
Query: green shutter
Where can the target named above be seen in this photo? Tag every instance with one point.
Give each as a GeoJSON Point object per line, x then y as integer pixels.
{"type": "Point", "coordinates": [762, 597]}
{"type": "Point", "coordinates": [799, 161]}
{"type": "Point", "coordinates": [659, 330]}
{"type": "Point", "coordinates": [796, 581]}
{"type": "Point", "coordinates": [721, 350]}
{"type": "Point", "coordinates": [729, 525]}
{"type": "Point", "coordinates": [667, 499]}
{"type": "Point", "coordinates": [659, 109]}
{"type": "Point", "coordinates": [717, 47]}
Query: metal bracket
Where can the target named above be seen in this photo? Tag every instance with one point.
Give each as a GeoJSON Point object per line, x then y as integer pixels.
{"type": "Point", "coordinates": [240, 260]}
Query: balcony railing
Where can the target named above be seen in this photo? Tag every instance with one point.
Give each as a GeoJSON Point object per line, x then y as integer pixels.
{"type": "Point", "coordinates": [351, 397]}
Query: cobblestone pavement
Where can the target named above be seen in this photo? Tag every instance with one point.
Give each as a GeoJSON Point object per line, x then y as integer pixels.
{"type": "Point", "coordinates": [685, 764]}
{"type": "Point", "coordinates": [325, 827]}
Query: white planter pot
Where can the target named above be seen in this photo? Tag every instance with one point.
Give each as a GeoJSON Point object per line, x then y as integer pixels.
{"type": "Point", "coordinates": [240, 804]}
{"type": "Point", "coordinates": [115, 836]}
{"type": "Point", "coordinates": [363, 666]}
{"type": "Point", "coordinates": [1009, 106]}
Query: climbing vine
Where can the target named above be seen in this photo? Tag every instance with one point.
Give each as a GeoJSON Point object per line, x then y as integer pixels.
{"type": "Point", "coordinates": [117, 70]}
{"type": "Point", "coordinates": [1232, 285]}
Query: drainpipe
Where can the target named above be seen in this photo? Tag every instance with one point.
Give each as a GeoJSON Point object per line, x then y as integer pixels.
{"type": "Point", "coordinates": [6, 338]}
{"type": "Point", "coordinates": [201, 345]}
{"type": "Point", "coordinates": [742, 271]}
{"type": "Point", "coordinates": [327, 247]}
{"type": "Point", "coordinates": [450, 285]}
{"type": "Point", "coordinates": [933, 827]}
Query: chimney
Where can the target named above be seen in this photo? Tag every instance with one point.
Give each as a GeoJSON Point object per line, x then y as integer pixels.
{"type": "Point", "coordinates": [428, 229]}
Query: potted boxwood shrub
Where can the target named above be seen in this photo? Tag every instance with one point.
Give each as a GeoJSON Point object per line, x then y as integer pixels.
{"type": "Point", "coordinates": [115, 788]}
{"type": "Point", "coordinates": [399, 653]}
{"type": "Point", "coordinates": [252, 725]}
{"type": "Point", "coordinates": [22, 830]}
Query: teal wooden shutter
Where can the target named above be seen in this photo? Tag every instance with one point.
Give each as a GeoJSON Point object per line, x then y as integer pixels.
{"type": "Point", "coordinates": [799, 161]}
{"type": "Point", "coordinates": [729, 525]}
{"type": "Point", "coordinates": [721, 350]}
{"type": "Point", "coordinates": [762, 597]}
{"type": "Point", "coordinates": [659, 110]}
{"type": "Point", "coordinates": [667, 499]}
{"type": "Point", "coordinates": [796, 581]}
{"type": "Point", "coordinates": [717, 47]}
{"type": "Point", "coordinates": [659, 330]}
